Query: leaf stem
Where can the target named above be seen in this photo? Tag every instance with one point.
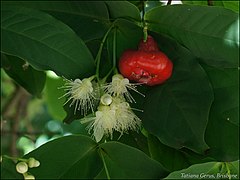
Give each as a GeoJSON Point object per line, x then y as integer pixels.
{"type": "Point", "coordinates": [114, 55]}
{"type": "Point", "coordinates": [145, 34]}
{"type": "Point", "coordinates": [15, 158]}
{"type": "Point", "coordinates": [98, 57]}
{"type": "Point", "coordinates": [104, 164]}
{"type": "Point", "coordinates": [114, 47]}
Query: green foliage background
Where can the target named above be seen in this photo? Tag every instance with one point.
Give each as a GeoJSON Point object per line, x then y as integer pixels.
{"type": "Point", "coordinates": [190, 123]}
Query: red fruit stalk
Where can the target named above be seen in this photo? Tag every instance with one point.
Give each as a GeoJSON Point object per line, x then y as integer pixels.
{"type": "Point", "coordinates": [147, 65]}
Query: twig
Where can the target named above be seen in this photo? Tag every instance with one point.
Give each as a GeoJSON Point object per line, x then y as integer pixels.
{"type": "Point", "coordinates": [6, 110]}
{"type": "Point", "coordinates": [18, 102]}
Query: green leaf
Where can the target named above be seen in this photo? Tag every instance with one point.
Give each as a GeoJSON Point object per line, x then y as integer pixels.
{"type": "Point", "coordinates": [26, 76]}
{"type": "Point", "coordinates": [222, 132]}
{"type": "Point", "coordinates": [170, 158]}
{"type": "Point", "coordinates": [70, 156]}
{"type": "Point", "coordinates": [89, 19]}
{"type": "Point", "coordinates": [123, 9]}
{"type": "Point", "coordinates": [128, 36]}
{"type": "Point", "coordinates": [210, 33]}
{"type": "Point", "coordinates": [233, 5]}
{"type": "Point", "coordinates": [44, 42]}
{"type": "Point", "coordinates": [76, 157]}
{"type": "Point", "coordinates": [52, 95]}
{"type": "Point", "coordinates": [124, 162]}
{"type": "Point", "coordinates": [204, 2]}
{"type": "Point", "coordinates": [177, 111]}
{"type": "Point", "coordinates": [210, 170]}
{"type": "Point", "coordinates": [133, 139]}
{"type": "Point", "coordinates": [8, 169]}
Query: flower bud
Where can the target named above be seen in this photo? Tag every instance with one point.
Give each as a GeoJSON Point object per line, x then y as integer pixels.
{"type": "Point", "coordinates": [37, 163]}
{"type": "Point", "coordinates": [22, 167]}
{"type": "Point", "coordinates": [106, 99]}
{"type": "Point", "coordinates": [33, 163]}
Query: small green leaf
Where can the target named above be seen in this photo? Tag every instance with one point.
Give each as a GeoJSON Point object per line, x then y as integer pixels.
{"type": "Point", "coordinates": [26, 76]}
{"type": "Point", "coordinates": [45, 42]}
{"type": "Point", "coordinates": [210, 170]}
{"type": "Point", "coordinates": [177, 111]}
{"type": "Point", "coordinates": [210, 33]}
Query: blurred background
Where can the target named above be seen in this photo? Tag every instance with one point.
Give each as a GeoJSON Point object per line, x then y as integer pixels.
{"type": "Point", "coordinates": [28, 122]}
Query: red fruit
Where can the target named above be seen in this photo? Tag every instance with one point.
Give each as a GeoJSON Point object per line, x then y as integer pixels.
{"type": "Point", "coordinates": [149, 45]}
{"type": "Point", "coordinates": [147, 65]}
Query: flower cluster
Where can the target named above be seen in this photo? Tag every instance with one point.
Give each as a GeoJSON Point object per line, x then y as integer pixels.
{"type": "Point", "coordinates": [24, 164]}
{"type": "Point", "coordinates": [113, 112]}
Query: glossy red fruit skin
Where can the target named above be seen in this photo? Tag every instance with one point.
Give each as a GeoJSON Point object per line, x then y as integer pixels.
{"type": "Point", "coordinates": [148, 65]}
{"type": "Point", "coordinates": [149, 45]}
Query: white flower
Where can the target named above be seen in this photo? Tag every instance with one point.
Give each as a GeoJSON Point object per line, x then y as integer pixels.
{"type": "Point", "coordinates": [81, 93]}
{"type": "Point", "coordinates": [103, 123]}
{"type": "Point", "coordinates": [119, 87]}
{"type": "Point", "coordinates": [125, 117]}
{"type": "Point", "coordinates": [116, 116]}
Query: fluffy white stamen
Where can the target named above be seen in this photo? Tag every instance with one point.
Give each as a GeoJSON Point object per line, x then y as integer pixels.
{"type": "Point", "coordinates": [117, 116]}
{"type": "Point", "coordinates": [120, 86]}
{"type": "Point", "coordinates": [81, 93]}
{"type": "Point", "coordinates": [103, 123]}
{"type": "Point", "coordinates": [126, 118]}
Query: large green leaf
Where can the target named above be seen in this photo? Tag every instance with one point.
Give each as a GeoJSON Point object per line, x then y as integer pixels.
{"type": "Point", "coordinates": [70, 156]}
{"type": "Point", "coordinates": [125, 162]}
{"type": "Point", "coordinates": [89, 19]}
{"type": "Point", "coordinates": [123, 9]}
{"type": "Point", "coordinates": [76, 157]}
{"type": "Point", "coordinates": [233, 5]}
{"type": "Point", "coordinates": [128, 36]}
{"type": "Point", "coordinates": [170, 158]}
{"type": "Point", "coordinates": [133, 139]}
{"type": "Point", "coordinates": [210, 33]}
{"type": "Point", "coordinates": [210, 170]}
{"type": "Point", "coordinates": [222, 132]}
{"type": "Point", "coordinates": [8, 169]}
{"type": "Point", "coordinates": [177, 111]}
{"type": "Point", "coordinates": [26, 76]}
{"type": "Point", "coordinates": [44, 42]}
